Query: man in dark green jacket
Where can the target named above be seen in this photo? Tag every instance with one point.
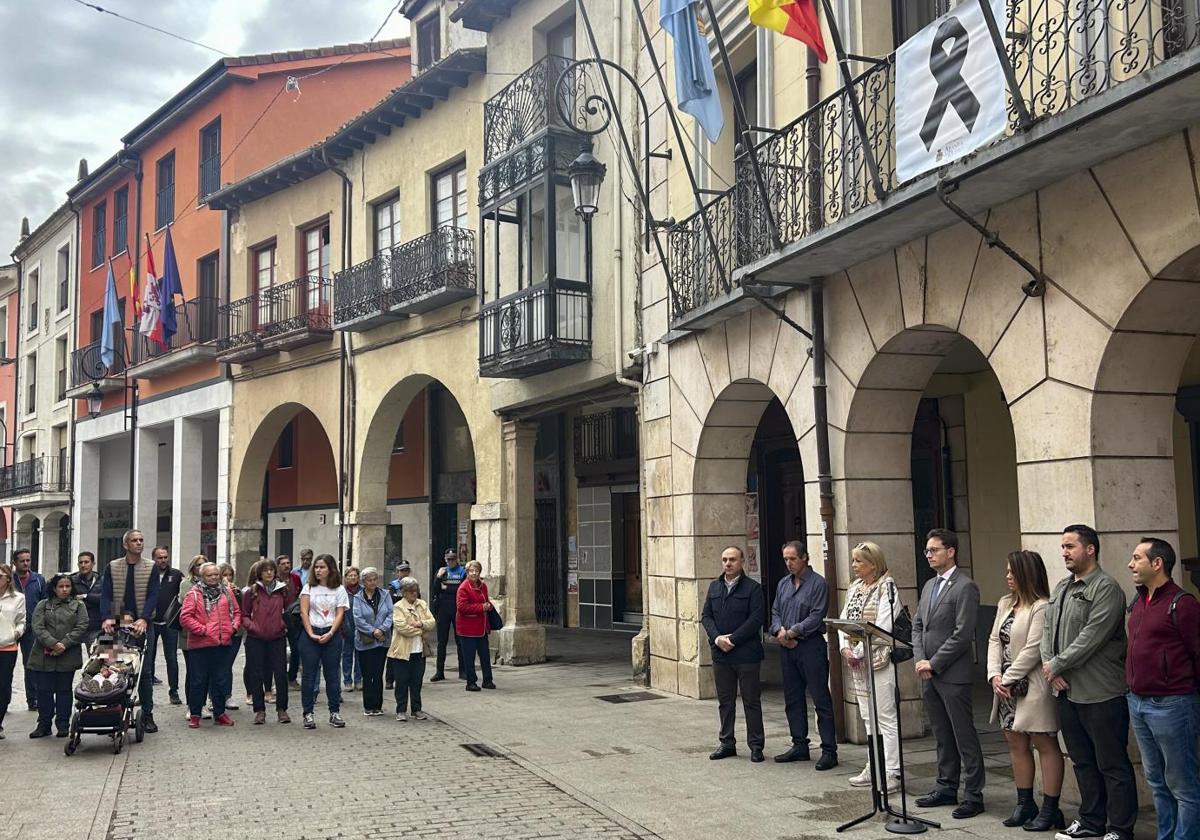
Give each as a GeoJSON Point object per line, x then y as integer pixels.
{"type": "Point", "coordinates": [1083, 659]}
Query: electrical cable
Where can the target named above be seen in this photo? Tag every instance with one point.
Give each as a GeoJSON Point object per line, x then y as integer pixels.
{"type": "Point", "coordinates": [151, 27]}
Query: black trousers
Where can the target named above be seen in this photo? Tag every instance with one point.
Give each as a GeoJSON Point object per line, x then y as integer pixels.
{"type": "Point", "coordinates": [8, 664]}
{"type": "Point", "coordinates": [54, 698]}
{"type": "Point", "coordinates": [372, 662]}
{"type": "Point", "coordinates": [445, 623]}
{"type": "Point", "coordinates": [729, 680]}
{"type": "Point", "coordinates": [806, 668]}
{"type": "Point", "coordinates": [266, 658]}
{"type": "Point", "coordinates": [295, 631]}
{"type": "Point", "coordinates": [408, 675]}
{"type": "Point", "coordinates": [26, 644]}
{"type": "Point", "coordinates": [1097, 735]}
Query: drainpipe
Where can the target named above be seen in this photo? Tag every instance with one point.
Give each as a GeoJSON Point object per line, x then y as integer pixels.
{"type": "Point", "coordinates": [816, 294]}
{"type": "Point", "coordinates": [346, 377]}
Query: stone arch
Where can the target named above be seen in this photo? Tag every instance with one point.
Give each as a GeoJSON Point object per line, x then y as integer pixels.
{"type": "Point", "coordinates": [1135, 420]}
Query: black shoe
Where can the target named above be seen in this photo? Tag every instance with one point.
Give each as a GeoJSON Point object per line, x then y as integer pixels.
{"type": "Point", "coordinates": [1048, 817]}
{"type": "Point", "coordinates": [489, 684]}
{"type": "Point", "coordinates": [794, 754]}
{"type": "Point", "coordinates": [31, 707]}
{"type": "Point", "coordinates": [472, 687]}
{"type": "Point", "coordinates": [157, 681]}
{"type": "Point", "coordinates": [1077, 831]}
{"type": "Point", "coordinates": [62, 732]}
{"type": "Point", "coordinates": [437, 677]}
{"type": "Point", "coordinates": [1025, 811]}
{"type": "Point", "coordinates": [722, 752]}
{"type": "Point", "coordinates": [148, 723]}
{"type": "Point", "coordinates": [827, 761]}
{"type": "Point", "coordinates": [937, 799]}
{"type": "Point", "coordinates": [757, 756]}
{"type": "Point", "coordinates": [40, 733]}
{"type": "Point", "coordinates": [967, 810]}
{"type": "Point", "coordinates": [174, 698]}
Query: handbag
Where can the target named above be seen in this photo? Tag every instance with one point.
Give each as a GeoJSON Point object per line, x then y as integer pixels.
{"type": "Point", "coordinates": [902, 629]}
{"type": "Point", "coordinates": [495, 620]}
{"type": "Point", "coordinates": [1018, 689]}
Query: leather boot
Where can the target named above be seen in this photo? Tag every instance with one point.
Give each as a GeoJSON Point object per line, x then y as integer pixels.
{"type": "Point", "coordinates": [1048, 817]}
{"type": "Point", "coordinates": [1026, 808]}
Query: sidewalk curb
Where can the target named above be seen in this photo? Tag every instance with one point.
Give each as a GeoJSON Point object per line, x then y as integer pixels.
{"type": "Point", "coordinates": [106, 807]}
{"type": "Point", "coordinates": [554, 781]}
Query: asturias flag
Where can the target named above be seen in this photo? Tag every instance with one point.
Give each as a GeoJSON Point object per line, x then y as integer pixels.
{"type": "Point", "coordinates": [112, 315]}
{"type": "Point", "coordinates": [695, 82]}
{"type": "Point", "coordinates": [793, 18]}
{"type": "Point", "coordinates": [148, 324]}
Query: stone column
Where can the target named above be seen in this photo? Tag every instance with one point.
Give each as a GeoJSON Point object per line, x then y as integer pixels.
{"type": "Point", "coordinates": [145, 486]}
{"type": "Point", "coordinates": [186, 490]}
{"type": "Point", "coordinates": [367, 532]}
{"type": "Point", "coordinates": [245, 536]}
{"type": "Point", "coordinates": [48, 562]}
{"type": "Point", "coordinates": [85, 517]}
{"type": "Point", "coordinates": [223, 479]}
{"type": "Point", "coordinates": [523, 640]}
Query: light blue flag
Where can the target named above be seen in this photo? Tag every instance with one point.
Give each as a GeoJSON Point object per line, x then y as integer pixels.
{"type": "Point", "coordinates": [112, 315]}
{"type": "Point", "coordinates": [695, 83]}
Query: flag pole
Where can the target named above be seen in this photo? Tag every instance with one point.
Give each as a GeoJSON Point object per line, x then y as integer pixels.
{"type": "Point", "coordinates": [743, 125]}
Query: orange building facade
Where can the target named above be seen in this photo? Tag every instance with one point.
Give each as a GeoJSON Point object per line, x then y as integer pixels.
{"type": "Point", "coordinates": [152, 426]}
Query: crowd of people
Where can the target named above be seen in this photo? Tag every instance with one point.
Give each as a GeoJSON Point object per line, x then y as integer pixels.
{"type": "Point", "coordinates": [347, 625]}
{"type": "Point", "coordinates": [1076, 662]}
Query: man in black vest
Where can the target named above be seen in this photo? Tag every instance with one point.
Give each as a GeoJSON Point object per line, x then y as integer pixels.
{"type": "Point", "coordinates": [166, 608]}
{"type": "Point", "coordinates": [733, 617]}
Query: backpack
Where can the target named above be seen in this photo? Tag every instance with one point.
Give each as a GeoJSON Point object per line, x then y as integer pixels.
{"type": "Point", "coordinates": [1171, 610]}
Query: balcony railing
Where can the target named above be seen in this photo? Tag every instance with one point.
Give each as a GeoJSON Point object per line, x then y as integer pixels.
{"type": "Point", "coordinates": [539, 328]}
{"type": "Point", "coordinates": [606, 436]}
{"type": "Point", "coordinates": [525, 107]}
{"type": "Point", "coordinates": [277, 318]}
{"type": "Point", "coordinates": [196, 323]}
{"type": "Point", "coordinates": [816, 169]}
{"type": "Point", "coordinates": [87, 366]}
{"type": "Point", "coordinates": [420, 275]}
{"type": "Point", "coordinates": [43, 474]}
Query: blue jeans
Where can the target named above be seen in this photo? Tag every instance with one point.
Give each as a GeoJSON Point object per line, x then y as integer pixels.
{"type": "Point", "coordinates": [315, 658]}
{"type": "Point", "coordinates": [351, 666]}
{"type": "Point", "coordinates": [1166, 730]}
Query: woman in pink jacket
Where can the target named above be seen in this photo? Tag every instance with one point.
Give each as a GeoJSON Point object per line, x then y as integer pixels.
{"type": "Point", "coordinates": [211, 617]}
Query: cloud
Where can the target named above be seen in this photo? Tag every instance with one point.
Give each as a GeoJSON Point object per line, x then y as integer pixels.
{"type": "Point", "coordinates": [78, 80]}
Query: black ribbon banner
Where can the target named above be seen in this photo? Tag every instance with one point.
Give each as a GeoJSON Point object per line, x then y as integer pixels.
{"type": "Point", "coordinates": [952, 88]}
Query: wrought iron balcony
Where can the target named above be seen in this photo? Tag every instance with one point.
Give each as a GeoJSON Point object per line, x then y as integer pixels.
{"type": "Point", "coordinates": [36, 477]}
{"type": "Point", "coordinates": [283, 317]}
{"type": "Point", "coordinates": [816, 170]}
{"type": "Point", "coordinates": [88, 369]}
{"type": "Point", "coordinates": [539, 328]}
{"type": "Point", "coordinates": [525, 108]}
{"type": "Point", "coordinates": [193, 341]}
{"type": "Point", "coordinates": [423, 274]}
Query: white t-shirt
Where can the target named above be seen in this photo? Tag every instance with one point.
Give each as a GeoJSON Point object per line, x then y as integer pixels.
{"type": "Point", "coordinates": [323, 603]}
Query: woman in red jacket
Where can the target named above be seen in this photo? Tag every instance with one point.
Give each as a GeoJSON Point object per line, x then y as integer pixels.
{"type": "Point", "coordinates": [264, 607]}
{"type": "Point", "coordinates": [211, 617]}
{"type": "Point", "coordinates": [471, 626]}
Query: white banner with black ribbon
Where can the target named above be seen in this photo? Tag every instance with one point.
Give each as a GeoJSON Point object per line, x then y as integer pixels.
{"type": "Point", "coordinates": [950, 92]}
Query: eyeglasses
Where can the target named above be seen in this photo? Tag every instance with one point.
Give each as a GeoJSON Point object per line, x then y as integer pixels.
{"type": "Point", "coordinates": [929, 552]}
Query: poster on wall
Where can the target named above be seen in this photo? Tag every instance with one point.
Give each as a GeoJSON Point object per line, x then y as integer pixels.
{"type": "Point", "coordinates": [464, 542]}
{"type": "Point", "coordinates": [752, 568]}
{"type": "Point", "coordinates": [572, 583]}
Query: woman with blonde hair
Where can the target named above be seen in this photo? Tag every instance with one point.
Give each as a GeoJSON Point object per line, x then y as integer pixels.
{"type": "Point", "coordinates": [873, 597]}
{"type": "Point", "coordinates": [1023, 704]}
{"type": "Point", "coordinates": [411, 620]}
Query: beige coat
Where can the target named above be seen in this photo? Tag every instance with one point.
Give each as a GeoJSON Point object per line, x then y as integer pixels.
{"type": "Point", "coordinates": [1036, 711]}
{"type": "Point", "coordinates": [403, 633]}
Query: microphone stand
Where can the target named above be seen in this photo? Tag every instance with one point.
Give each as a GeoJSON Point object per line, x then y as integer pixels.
{"type": "Point", "coordinates": [902, 822]}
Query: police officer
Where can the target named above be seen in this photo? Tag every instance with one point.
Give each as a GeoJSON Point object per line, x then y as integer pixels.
{"type": "Point", "coordinates": [445, 601]}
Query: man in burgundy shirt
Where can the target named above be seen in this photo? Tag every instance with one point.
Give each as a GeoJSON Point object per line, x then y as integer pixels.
{"type": "Point", "coordinates": [1162, 664]}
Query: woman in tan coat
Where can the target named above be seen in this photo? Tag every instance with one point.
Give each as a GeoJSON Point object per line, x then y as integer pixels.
{"type": "Point", "coordinates": [1022, 702]}
{"type": "Point", "coordinates": [411, 621]}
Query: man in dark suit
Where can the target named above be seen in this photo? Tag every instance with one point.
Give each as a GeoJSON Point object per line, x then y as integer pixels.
{"type": "Point", "coordinates": [733, 617]}
{"type": "Point", "coordinates": [943, 635]}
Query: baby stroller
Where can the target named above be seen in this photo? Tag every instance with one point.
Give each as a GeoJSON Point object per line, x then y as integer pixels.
{"type": "Point", "coordinates": [106, 699]}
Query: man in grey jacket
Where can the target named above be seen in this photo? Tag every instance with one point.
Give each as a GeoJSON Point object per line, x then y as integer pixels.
{"type": "Point", "coordinates": [1083, 659]}
{"type": "Point", "coordinates": [943, 635]}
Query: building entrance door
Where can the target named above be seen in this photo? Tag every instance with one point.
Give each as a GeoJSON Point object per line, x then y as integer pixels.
{"type": "Point", "coordinates": [547, 566]}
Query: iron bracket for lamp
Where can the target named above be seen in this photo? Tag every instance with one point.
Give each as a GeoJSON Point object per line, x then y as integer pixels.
{"type": "Point", "coordinates": [1036, 285]}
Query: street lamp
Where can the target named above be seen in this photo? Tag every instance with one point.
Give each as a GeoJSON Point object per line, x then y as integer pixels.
{"type": "Point", "coordinates": [586, 174]}
{"type": "Point", "coordinates": [95, 399]}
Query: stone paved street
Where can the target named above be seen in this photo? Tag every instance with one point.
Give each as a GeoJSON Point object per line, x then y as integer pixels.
{"type": "Point", "coordinates": [572, 766]}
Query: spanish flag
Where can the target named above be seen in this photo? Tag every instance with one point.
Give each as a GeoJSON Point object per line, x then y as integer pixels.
{"type": "Point", "coordinates": [793, 18]}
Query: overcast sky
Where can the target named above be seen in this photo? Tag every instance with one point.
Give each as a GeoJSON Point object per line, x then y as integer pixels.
{"type": "Point", "coordinates": [73, 81]}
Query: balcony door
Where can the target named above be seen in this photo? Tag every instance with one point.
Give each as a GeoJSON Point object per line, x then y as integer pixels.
{"type": "Point", "coordinates": [316, 268]}
{"type": "Point", "coordinates": [265, 266]}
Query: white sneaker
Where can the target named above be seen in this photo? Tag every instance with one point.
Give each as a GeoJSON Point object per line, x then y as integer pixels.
{"type": "Point", "coordinates": [1077, 831]}
{"type": "Point", "coordinates": [863, 779]}
{"type": "Point", "coordinates": [400, 716]}
{"type": "Point", "coordinates": [893, 782]}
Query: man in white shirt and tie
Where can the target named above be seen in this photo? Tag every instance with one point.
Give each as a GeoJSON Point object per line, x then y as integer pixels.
{"type": "Point", "coordinates": [943, 636]}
